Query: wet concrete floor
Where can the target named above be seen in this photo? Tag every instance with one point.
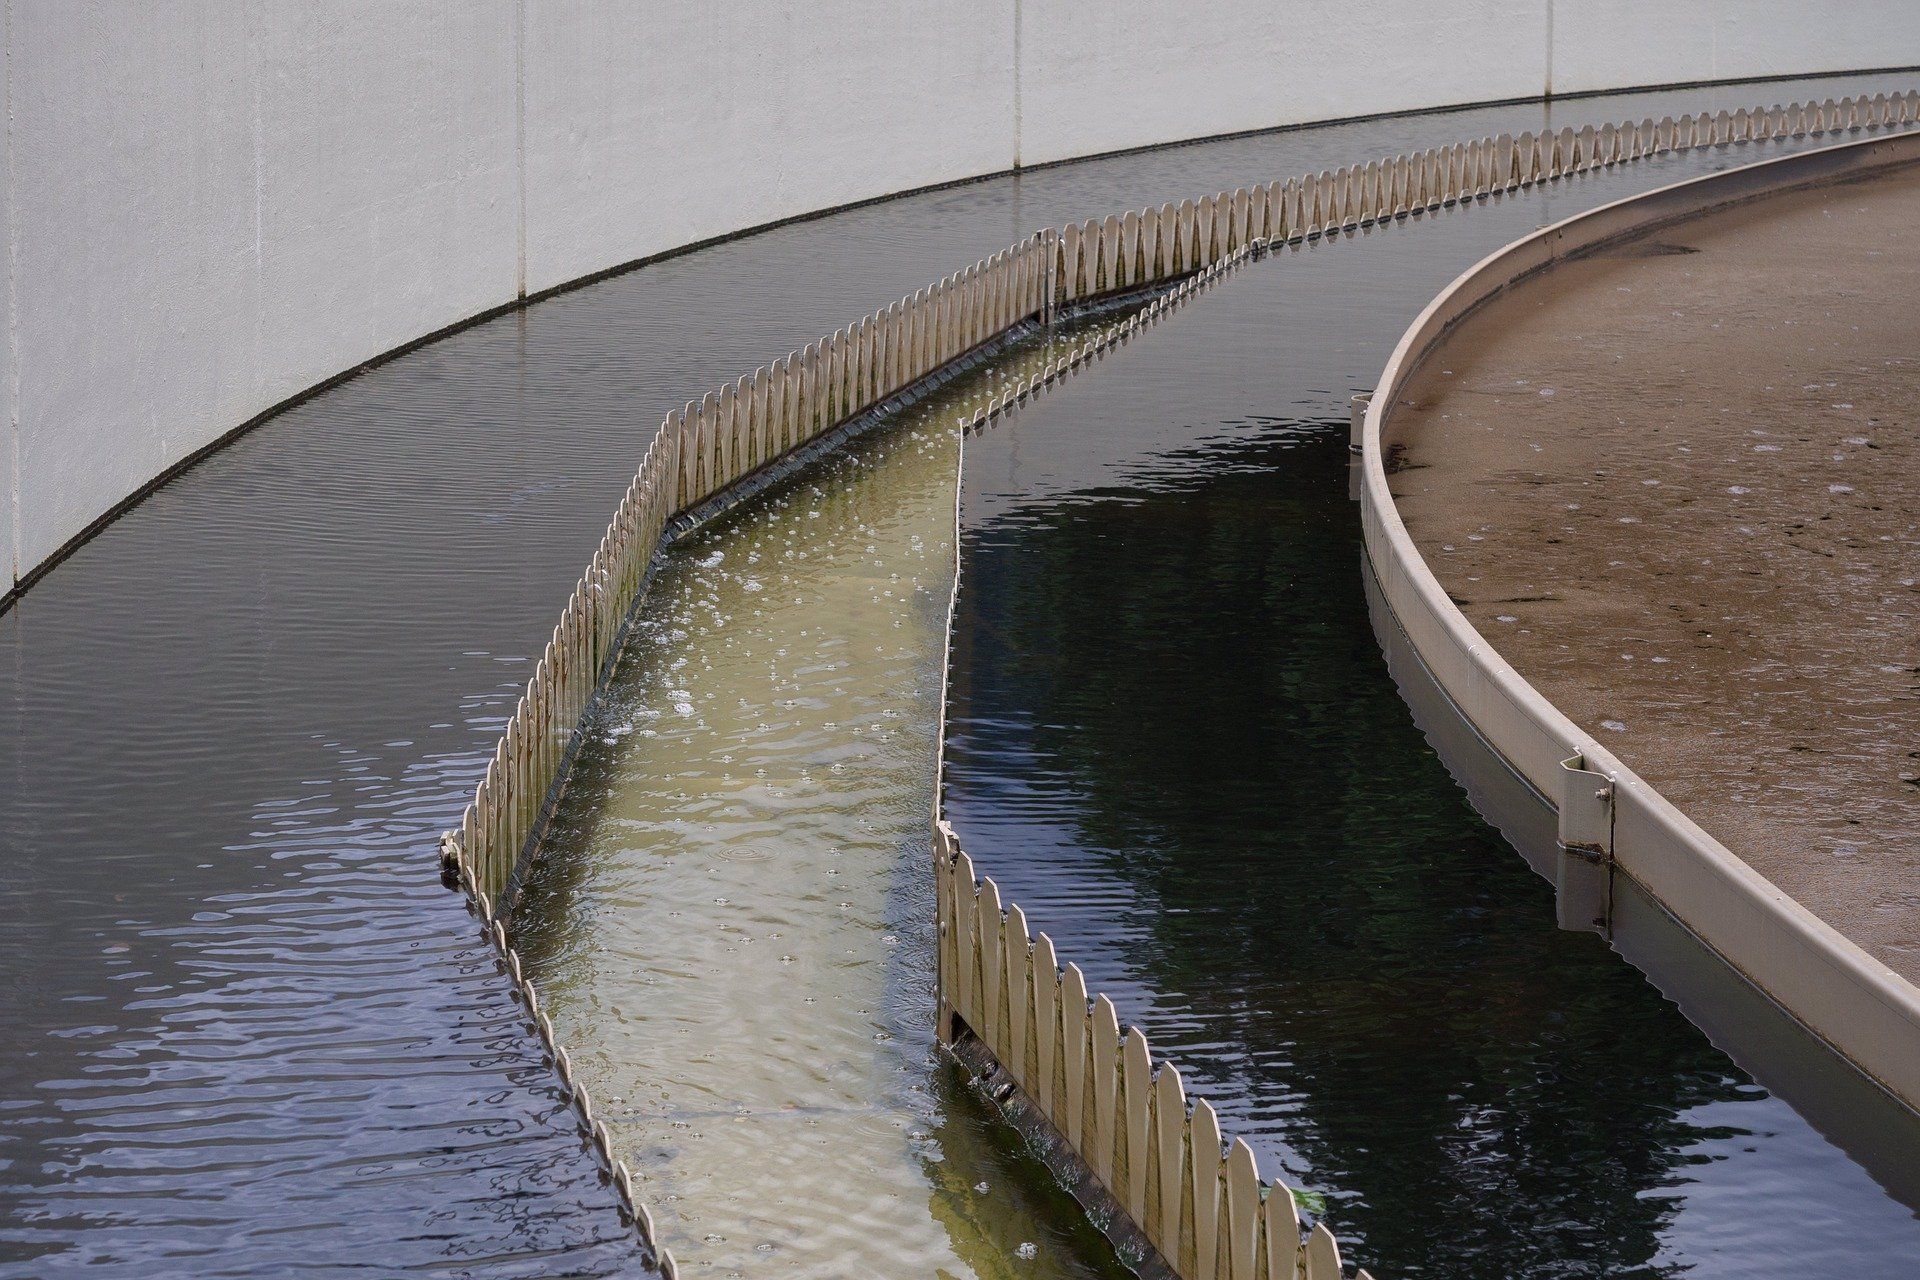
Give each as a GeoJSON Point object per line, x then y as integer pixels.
{"type": "Point", "coordinates": [245, 1031]}
{"type": "Point", "coordinates": [1175, 744]}
{"type": "Point", "coordinates": [1678, 486]}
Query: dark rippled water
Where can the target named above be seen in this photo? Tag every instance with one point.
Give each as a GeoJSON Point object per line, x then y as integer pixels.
{"type": "Point", "coordinates": [243, 1032]}
{"type": "Point", "coordinates": [1174, 742]}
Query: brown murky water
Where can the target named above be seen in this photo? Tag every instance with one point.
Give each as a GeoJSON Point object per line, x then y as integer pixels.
{"type": "Point", "coordinates": [731, 923]}
{"type": "Point", "coordinates": [1678, 486]}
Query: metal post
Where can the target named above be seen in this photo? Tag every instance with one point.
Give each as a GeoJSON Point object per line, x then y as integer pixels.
{"type": "Point", "coordinates": [1583, 878]}
{"type": "Point", "coordinates": [1050, 243]}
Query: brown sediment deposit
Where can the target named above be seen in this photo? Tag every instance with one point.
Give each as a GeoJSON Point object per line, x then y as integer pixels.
{"type": "Point", "coordinates": [1677, 485]}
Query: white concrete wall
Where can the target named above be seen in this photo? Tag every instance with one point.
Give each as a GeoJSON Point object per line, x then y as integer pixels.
{"type": "Point", "coordinates": [1100, 75]}
{"type": "Point", "coordinates": [1604, 44]}
{"type": "Point", "coordinates": [213, 205]}
{"type": "Point", "coordinates": [653, 126]}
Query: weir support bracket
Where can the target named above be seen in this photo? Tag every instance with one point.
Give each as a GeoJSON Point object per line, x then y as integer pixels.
{"type": "Point", "coordinates": [1357, 419]}
{"type": "Point", "coordinates": [1356, 432]}
{"type": "Point", "coordinates": [1583, 878]}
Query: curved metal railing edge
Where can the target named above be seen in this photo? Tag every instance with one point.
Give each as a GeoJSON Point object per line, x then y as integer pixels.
{"type": "Point", "coordinates": [1853, 1002]}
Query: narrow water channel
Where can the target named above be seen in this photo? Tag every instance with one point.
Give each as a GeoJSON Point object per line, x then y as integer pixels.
{"type": "Point", "coordinates": [1174, 742]}
{"type": "Point", "coordinates": [731, 920]}
{"type": "Point", "coordinates": [244, 1031]}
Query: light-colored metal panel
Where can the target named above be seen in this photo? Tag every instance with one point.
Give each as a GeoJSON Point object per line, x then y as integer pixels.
{"type": "Point", "coordinates": [966, 909]}
{"type": "Point", "coordinates": [1103, 1072]}
{"type": "Point", "coordinates": [1047, 1089]}
{"type": "Point", "coordinates": [1136, 1119]}
{"type": "Point", "coordinates": [1170, 1163]}
{"type": "Point", "coordinates": [1127, 272]}
{"type": "Point", "coordinates": [1073, 1054]}
{"type": "Point", "coordinates": [1203, 1181]}
{"type": "Point", "coordinates": [1019, 989]}
{"type": "Point", "coordinates": [1067, 267]}
{"type": "Point", "coordinates": [1281, 1237]}
{"type": "Point", "coordinates": [992, 1026]}
{"type": "Point", "coordinates": [1241, 1226]}
{"type": "Point", "coordinates": [945, 926]}
{"type": "Point", "coordinates": [726, 438]}
{"type": "Point", "coordinates": [1322, 1254]}
{"type": "Point", "coordinates": [1107, 274]}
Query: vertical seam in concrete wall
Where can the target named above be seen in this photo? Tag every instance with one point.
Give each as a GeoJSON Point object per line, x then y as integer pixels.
{"type": "Point", "coordinates": [13, 317]}
{"type": "Point", "coordinates": [1017, 19]}
{"type": "Point", "coordinates": [520, 133]}
{"type": "Point", "coordinates": [257, 132]}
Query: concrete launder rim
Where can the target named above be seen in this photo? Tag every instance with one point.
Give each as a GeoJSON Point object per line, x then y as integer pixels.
{"type": "Point", "coordinates": [1854, 1003]}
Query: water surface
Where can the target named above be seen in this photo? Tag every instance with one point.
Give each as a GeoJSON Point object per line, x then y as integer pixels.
{"type": "Point", "coordinates": [1174, 742]}
{"type": "Point", "coordinates": [244, 1031]}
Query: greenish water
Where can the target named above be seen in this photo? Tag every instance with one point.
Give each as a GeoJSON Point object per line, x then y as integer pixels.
{"type": "Point", "coordinates": [731, 923]}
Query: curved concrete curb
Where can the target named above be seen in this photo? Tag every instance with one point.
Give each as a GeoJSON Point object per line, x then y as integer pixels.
{"type": "Point", "coordinates": [1611, 821]}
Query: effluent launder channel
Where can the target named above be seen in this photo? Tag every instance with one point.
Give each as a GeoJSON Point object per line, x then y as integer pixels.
{"type": "Point", "coordinates": [249, 1032]}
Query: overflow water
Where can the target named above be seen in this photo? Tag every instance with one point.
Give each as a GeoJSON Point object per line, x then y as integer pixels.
{"type": "Point", "coordinates": [1174, 742]}
{"type": "Point", "coordinates": [731, 919]}
{"type": "Point", "coordinates": [245, 1030]}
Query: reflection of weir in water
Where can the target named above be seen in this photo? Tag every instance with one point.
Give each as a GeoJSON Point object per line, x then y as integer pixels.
{"type": "Point", "coordinates": [730, 921]}
{"type": "Point", "coordinates": [1174, 743]}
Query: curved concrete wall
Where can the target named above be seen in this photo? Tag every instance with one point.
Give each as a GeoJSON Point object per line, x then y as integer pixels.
{"type": "Point", "coordinates": [215, 206]}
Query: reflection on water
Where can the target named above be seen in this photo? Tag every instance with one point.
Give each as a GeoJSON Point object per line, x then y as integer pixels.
{"type": "Point", "coordinates": [243, 1030]}
{"type": "Point", "coordinates": [1174, 742]}
{"type": "Point", "coordinates": [731, 920]}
